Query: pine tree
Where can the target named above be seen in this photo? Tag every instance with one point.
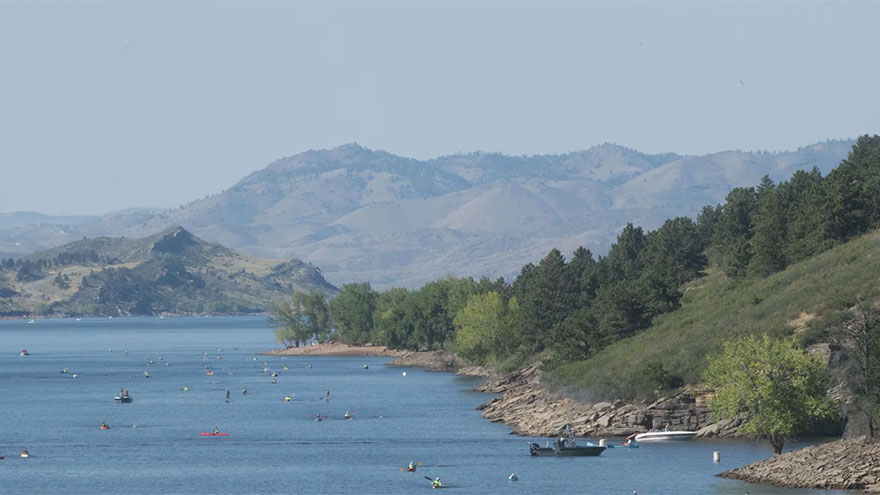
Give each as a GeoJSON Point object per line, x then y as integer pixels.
{"type": "Point", "coordinates": [768, 231]}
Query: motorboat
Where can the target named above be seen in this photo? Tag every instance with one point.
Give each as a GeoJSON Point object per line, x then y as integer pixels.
{"type": "Point", "coordinates": [566, 446]}
{"type": "Point", "coordinates": [664, 436]}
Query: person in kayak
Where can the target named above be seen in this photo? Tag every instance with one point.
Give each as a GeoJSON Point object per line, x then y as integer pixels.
{"type": "Point", "coordinates": [244, 390]}
{"type": "Point", "coordinates": [104, 426]}
{"type": "Point", "coordinates": [347, 415]}
{"type": "Point", "coordinates": [436, 483]}
{"type": "Point", "coordinates": [216, 430]}
{"type": "Point", "coordinates": [24, 453]}
{"type": "Point", "coordinates": [411, 467]}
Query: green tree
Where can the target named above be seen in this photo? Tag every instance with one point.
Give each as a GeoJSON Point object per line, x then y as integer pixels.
{"type": "Point", "coordinates": [773, 385]}
{"type": "Point", "coordinates": [483, 328]}
{"type": "Point", "coordinates": [289, 322]}
{"type": "Point", "coordinates": [352, 312]}
{"type": "Point", "coordinates": [769, 227]}
{"type": "Point", "coordinates": [547, 294]}
{"type": "Point", "coordinates": [674, 252]}
{"type": "Point", "coordinates": [734, 230]}
{"type": "Point", "coordinates": [299, 318]}
{"type": "Point", "coordinates": [392, 319]}
{"type": "Point", "coordinates": [809, 215]}
{"type": "Point", "coordinates": [576, 338]}
{"type": "Point", "coordinates": [313, 305]}
{"type": "Point", "coordinates": [625, 261]}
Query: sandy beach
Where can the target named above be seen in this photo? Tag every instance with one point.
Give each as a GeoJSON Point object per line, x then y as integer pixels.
{"type": "Point", "coordinates": [337, 349]}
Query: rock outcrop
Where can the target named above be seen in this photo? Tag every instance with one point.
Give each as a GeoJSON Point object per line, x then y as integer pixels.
{"type": "Point", "coordinates": [432, 360]}
{"type": "Point", "coordinates": [529, 409]}
{"type": "Point", "coordinates": [845, 464]}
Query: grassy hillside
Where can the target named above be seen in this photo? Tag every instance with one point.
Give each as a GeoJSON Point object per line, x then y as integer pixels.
{"type": "Point", "coordinates": [169, 272]}
{"type": "Point", "coordinates": [807, 299]}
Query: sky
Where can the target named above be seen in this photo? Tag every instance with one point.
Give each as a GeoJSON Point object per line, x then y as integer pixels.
{"type": "Point", "coordinates": [112, 105]}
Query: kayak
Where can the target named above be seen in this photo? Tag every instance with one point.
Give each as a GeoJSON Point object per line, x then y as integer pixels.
{"type": "Point", "coordinates": [212, 434]}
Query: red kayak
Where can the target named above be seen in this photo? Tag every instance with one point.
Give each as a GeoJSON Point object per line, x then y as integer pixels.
{"type": "Point", "coordinates": [212, 434]}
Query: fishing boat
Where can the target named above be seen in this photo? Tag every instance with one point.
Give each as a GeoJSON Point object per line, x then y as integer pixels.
{"type": "Point", "coordinates": [664, 436]}
{"type": "Point", "coordinates": [566, 446]}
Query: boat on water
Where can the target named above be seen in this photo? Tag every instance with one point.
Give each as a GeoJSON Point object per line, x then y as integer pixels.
{"type": "Point", "coordinates": [24, 352]}
{"type": "Point", "coordinates": [566, 446]}
{"type": "Point", "coordinates": [123, 398]}
{"type": "Point", "coordinates": [664, 436]}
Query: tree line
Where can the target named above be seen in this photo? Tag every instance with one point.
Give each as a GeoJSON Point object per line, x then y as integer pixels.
{"type": "Point", "coordinates": [761, 230]}
{"type": "Point", "coordinates": [568, 309]}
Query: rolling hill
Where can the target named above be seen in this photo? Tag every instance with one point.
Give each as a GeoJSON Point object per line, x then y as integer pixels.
{"type": "Point", "coordinates": [365, 215]}
{"type": "Point", "coordinates": [171, 272]}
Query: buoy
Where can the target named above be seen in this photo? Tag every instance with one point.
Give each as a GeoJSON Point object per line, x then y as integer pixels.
{"type": "Point", "coordinates": [75, 375]}
{"type": "Point", "coordinates": [287, 399]}
{"type": "Point", "coordinates": [273, 381]}
{"type": "Point", "coordinates": [404, 373]}
{"type": "Point", "coordinates": [716, 456]}
{"type": "Point", "coordinates": [366, 367]}
{"type": "Point", "coordinates": [512, 477]}
{"type": "Point", "coordinates": [310, 366]}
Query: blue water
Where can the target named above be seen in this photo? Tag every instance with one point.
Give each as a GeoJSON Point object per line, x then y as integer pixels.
{"type": "Point", "coordinates": [274, 446]}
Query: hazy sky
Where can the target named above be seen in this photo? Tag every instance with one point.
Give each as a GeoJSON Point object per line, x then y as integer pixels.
{"type": "Point", "coordinates": [112, 105]}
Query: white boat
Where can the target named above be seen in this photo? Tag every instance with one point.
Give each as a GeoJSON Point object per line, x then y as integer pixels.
{"type": "Point", "coordinates": [665, 435]}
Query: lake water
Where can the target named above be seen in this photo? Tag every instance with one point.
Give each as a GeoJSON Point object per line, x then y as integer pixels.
{"type": "Point", "coordinates": [274, 446]}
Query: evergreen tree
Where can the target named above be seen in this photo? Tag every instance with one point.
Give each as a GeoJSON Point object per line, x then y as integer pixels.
{"type": "Point", "coordinates": [768, 230]}
{"type": "Point", "coordinates": [734, 231]}
{"type": "Point", "coordinates": [674, 252]}
{"type": "Point", "coordinates": [809, 215]}
{"type": "Point", "coordinates": [624, 259]}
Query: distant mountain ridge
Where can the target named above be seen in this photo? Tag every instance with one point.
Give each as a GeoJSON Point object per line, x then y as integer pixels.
{"type": "Point", "coordinates": [172, 272]}
{"type": "Point", "coordinates": [365, 215]}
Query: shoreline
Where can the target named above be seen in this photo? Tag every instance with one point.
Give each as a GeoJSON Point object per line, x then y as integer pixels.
{"type": "Point", "coordinates": [840, 465]}
{"type": "Point", "coordinates": [336, 349]}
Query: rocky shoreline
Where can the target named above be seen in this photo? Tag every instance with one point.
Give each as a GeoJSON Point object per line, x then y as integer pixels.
{"type": "Point", "coordinates": [440, 361]}
{"type": "Point", "coordinates": [841, 465]}
{"type": "Point", "coordinates": [529, 409]}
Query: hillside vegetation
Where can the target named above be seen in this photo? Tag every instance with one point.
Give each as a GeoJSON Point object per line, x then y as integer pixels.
{"type": "Point", "coordinates": [806, 299]}
{"type": "Point", "coordinates": [169, 272]}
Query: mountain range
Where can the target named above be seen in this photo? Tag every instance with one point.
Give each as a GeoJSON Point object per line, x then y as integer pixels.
{"type": "Point", "coordinates": [172, 272]}
{"type": "Point", "coordinates": [366, 215]}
